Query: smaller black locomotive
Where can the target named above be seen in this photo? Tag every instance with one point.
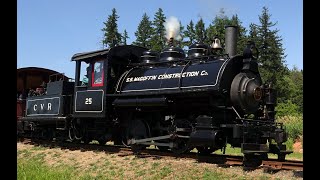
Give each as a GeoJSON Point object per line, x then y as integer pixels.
{"type": "Point", "coordinates": [137, 97]}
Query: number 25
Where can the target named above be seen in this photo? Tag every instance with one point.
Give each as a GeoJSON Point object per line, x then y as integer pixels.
{"type": "Point", "coordinates": [88, 101]}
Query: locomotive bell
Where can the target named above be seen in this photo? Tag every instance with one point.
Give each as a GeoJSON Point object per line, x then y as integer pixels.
{"type": "Point", "coordinates": [216, 44]}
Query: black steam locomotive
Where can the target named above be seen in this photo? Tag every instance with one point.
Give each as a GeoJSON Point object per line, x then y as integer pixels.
{"type": "Point", "coordinates": [137, 97]}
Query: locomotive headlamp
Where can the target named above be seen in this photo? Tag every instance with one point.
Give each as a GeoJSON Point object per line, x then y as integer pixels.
{"type": "Point", "coordinates": [257, 93]}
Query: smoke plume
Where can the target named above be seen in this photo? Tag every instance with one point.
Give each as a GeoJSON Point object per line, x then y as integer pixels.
{"type": "Point", "coordinates": [172, 26]}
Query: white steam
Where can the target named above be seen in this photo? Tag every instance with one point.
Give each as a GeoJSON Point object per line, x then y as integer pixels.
{"type": "Point", "coordinates": [172, 26]}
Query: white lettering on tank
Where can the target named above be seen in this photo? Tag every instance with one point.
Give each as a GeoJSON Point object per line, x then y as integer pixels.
{"type": "Point", "coordinates": [41, 105]}
{"type": "Point", "coordinates": [35, 107]}
{"type": "Point", "coordinates": [49, 106]}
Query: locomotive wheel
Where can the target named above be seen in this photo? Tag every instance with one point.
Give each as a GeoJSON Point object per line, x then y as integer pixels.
{"type": "Point", "coordinates": [136, 148]}
{"type": "Point", "coordinates": [137, 130]}
{"type": "Point", "coordinates": [181, 146]}
{"type": "Point", "coordinates": [102, 142]}
{"type": "Point", "coordinates": [163, 148]}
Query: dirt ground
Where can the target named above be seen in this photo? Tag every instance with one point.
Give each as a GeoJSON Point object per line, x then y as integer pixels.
{"type": "Point", "coordinates": [297, 146]}
{"type": "Point", "coordinates": [131, 167]}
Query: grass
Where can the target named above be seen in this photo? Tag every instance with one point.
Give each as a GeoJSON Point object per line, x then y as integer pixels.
{"type": "Point", "coordinates": [293, 125]}
{"type": "Point", "coordinates": [212, 174]}
{"type": "Point", "coordinates": [34, 169]}
{"type": "Point", "coordinates": [34, 165]}
{"type": "Point", "coordinates": [237, 151]}
{"type": "Point", "coordinates": [230, 150]}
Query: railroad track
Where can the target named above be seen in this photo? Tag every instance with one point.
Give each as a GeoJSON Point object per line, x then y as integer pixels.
{"type": "Point", "coordinates": [219, 159]}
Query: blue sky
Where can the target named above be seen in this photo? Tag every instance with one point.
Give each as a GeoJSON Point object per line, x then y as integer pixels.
{"type": "Point", "coordinates": [50, 32]}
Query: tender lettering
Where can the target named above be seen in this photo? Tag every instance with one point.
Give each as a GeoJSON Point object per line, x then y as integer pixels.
{"type": "Point", "coordinates": [49, 107]}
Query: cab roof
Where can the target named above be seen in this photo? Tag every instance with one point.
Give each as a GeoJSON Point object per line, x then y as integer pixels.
{"type": "Point", "coordinates": [131, 52]}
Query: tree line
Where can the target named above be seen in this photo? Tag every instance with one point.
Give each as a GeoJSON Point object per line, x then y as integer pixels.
{"type": "Point", "coordinates": [272, 65]}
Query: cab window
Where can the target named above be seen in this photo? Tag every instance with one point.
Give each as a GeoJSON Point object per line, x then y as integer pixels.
{"type": "Point", "coordinates": [97, 74]}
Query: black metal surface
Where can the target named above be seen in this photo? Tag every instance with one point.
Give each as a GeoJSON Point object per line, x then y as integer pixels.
{"type": "Point", "coordinates": [35, 118]}
{"type": "Point", "coordinates": [44, 106]}
{"type": "Point", "coordinates": [171, 54]}
{"type": "Point", "coordinates": [242, 92]}
{"type": "Point", "coordinates": [254, 148]}
{"type": "Point", "coordinates": [90, 101]}
{"type": "Point", "coordinates": [205, 135]}
{"type": "Point", "coordinates": [149, 57]}
{"type": "Point", "coordinates": [199, 75]}
{"type": "Point", "coordinates": [140, 102]}
{"type": "Point", "coordinates": [231, 40]}
{"type": "Point", "coordinates": [87, 55]}
{"type": "Point", "coordinates": [198, 50]}
{"type": "Point", "coordinates": [60, 87]}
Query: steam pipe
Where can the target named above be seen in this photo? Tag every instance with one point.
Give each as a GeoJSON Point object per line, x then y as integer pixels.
{"type": "Point", "coordinates": [231, 36]}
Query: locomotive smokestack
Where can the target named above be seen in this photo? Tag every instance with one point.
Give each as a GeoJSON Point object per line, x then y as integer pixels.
{"type": "Point", "coordinates": [170, 42]}
{"type": "Point", "coordinates": [231, 40]}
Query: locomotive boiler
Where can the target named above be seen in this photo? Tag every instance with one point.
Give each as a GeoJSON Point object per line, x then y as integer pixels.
{"type": "Point", "coordinates": [204, 98]}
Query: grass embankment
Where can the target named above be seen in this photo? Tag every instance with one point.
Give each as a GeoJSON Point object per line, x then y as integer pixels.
{"type": "Point", "coordinates": [37, 162]}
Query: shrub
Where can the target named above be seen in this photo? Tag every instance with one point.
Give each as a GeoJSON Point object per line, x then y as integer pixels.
{"type": "Point", "coordinates": [289, 143]}
{"type": "Point", "coordinates": [287, 109]}
{"type": "Point", "coordinates": [293, 125]}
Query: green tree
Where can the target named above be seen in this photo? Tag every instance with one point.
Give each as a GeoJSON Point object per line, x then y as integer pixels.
{"type": "Point", "coordinates": [180, 42]}
{"type": "Point", "coordinates": [271, 60]}
{"type": "Point", "coordinates": [217, 29]}
{"type": "Point", "coordinates": [242, 37]}
{"type": "Point", "coordinates": [297, 97]}
{"type": "Point", "coordinates": [144, 32]}
{"type": "Point", "coordinates": [253, 33]}
{"type": "Point", "coordinates": [200, 31]}
{"type": "Point", "coordinates": [124, 37]}
{"type": "Point", "coordinates": [190, 34]}
{"type": "Point", "coordinates": [111, 35]}
{"type": "Point", "coordinates": [158, 39]}
{"type": "Point", "coordinates": [294, 88]}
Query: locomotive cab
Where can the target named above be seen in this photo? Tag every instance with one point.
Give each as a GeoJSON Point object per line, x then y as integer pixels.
{"type": "Point", "coordinates": [104, 68]}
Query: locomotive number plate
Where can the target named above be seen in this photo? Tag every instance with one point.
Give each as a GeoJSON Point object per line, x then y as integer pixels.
{"type": "Point", "coordinates": [89, 101]}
